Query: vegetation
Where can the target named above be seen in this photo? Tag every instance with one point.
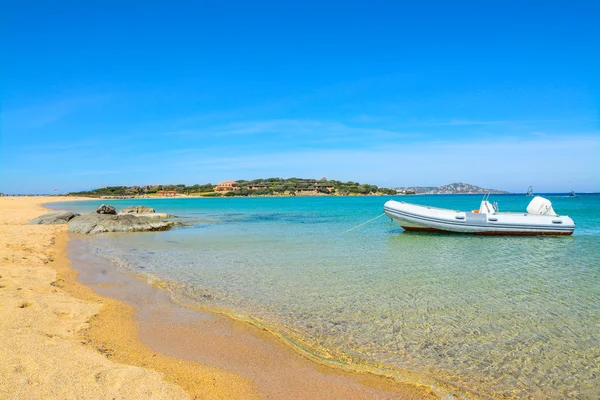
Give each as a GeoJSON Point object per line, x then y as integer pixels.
{"type": "Point", "coordinates": [299, 186]}
{"type": "Point", "coordinates": [144, 190]}
{"type": "Point", "coordinates": [256, 187]}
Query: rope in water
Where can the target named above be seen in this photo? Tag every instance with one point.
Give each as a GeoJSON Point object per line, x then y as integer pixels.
{"type": "Point", "coordinates": [364, 223]}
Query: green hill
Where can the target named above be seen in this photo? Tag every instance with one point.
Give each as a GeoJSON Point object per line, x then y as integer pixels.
{"type": "Point", "coordinates": [256, 187]}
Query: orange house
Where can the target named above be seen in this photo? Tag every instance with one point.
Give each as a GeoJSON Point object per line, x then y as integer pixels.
{"type": "Point", "coordinates": [227, 186]}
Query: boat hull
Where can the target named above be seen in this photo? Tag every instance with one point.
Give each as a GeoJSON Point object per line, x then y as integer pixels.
{"type": "Point", "coordinates": [413, 217]}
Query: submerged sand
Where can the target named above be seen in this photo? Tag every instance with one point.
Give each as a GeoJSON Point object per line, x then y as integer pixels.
{"type": "Point", "coordinates": [60, 339]}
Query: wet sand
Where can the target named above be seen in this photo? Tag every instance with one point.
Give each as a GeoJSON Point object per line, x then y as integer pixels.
{"type": "Point", "coordinates": [127, 339]}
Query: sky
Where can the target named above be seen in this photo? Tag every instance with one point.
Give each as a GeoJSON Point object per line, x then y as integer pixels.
{"type": "Point", "coordinates": [394, 93]}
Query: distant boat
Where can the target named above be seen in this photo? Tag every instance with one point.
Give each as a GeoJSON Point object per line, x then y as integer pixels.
{"type": "Point", "coordinates": [530, 191]}
{"type": "Point", "coordinates": [540, 219]}
{"type": "Point", "coordinates": [572, 193]}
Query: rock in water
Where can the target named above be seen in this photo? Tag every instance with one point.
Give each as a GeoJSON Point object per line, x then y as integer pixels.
{"type": "Point", "coordinates": [104, 209]}
{"type": "Point", "coordinates": [142, 211]}
{"type": "Point", "coordinates": [99, 223]}
{"type": "Point", "coordinates": [137, 210]}
{"type": "Point", "coordinates": [53, 218]}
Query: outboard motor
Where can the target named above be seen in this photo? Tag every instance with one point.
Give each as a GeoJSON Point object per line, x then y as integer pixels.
{"type": "Point", "coordinates": [540, 206]}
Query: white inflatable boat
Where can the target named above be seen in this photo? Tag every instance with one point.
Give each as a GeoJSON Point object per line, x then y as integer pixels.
{"type": "Point", "coordinates": [540, 219]}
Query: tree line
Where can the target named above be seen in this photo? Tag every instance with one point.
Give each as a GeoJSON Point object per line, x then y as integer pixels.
{"type": "Point", "coordinates": [256, 187]}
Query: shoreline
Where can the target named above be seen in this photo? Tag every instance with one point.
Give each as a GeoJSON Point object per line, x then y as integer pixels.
{"type": "Point", "coordinates": [41, 322]}
{"type": "Point", "coordinates": [235, 344]}
{"type": "Point", "coordinates": [110, 331]}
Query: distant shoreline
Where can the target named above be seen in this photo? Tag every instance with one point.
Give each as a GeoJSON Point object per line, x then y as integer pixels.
{"type": "Point", "coordinates": [280, 196]}
{"type": "Point", "coordinates": [276, 187]}
{"type": "Point", "coordinates": [67, 197]}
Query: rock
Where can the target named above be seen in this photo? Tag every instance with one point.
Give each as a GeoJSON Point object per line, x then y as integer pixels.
{"type": "Point", "coordinates": [104, 209]}
{"type": "Point", "coordinates": [53, 218]}
{"type": "Point", "coordinates": [99, 223]}
{"type": "Point", "coordinates": [152, 215]}
{"type": "Point", "coordinates": [137, 210]}
{"type": "Point", "coordinates": [142, 211]}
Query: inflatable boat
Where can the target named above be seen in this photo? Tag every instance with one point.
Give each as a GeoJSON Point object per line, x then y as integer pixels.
{"type": "Point", "coordinates": [540, 219]}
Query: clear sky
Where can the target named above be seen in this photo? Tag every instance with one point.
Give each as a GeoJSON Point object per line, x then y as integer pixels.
{"type": "Point", "coordinates": [393, 93]}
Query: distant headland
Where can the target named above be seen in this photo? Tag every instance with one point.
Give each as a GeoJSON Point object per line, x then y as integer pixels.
{"type": "Point", "coordinates": [274, 187]}
{"type": "Point", "coordinates": [452, 188]}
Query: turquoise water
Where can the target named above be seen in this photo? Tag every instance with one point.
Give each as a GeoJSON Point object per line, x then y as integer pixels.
{"type": "Point", "coordinates": [515, 317]}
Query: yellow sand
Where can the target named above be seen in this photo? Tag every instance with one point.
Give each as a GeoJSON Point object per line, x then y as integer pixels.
{"type": "Point", "coordinates": [41, 326]}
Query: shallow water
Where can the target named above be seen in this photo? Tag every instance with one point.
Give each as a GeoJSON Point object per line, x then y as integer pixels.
{"type": "Point", "coordinates": [509, 316]}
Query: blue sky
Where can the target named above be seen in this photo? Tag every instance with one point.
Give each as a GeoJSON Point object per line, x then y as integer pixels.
{"type": "Point", "coordinates": [389, 93]}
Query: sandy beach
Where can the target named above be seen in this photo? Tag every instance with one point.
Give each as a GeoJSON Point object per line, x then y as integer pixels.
{"type": "Point", "coordinates": [61, 339]}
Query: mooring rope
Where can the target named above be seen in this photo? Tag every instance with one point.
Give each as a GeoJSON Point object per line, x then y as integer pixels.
{"type": "Point", "coordinates": [364, 223]}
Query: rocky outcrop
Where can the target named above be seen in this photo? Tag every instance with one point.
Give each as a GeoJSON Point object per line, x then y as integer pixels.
{"type": "Point", "coordinates": [137, 210]}
{"type": "Point", "coordinates": [100, 223]}
{"type": "Point", "coordinates": [105, 209]}
{"type": "Point", "coordinates": [142, 211]}
{"type": "Point", "coordinates": [53, 218]}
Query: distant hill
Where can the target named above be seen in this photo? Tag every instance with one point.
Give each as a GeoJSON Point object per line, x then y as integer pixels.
{"type": "Point", "coordinates": [256, 187]}
{"type": "Point", "coordinates": [452, 188]}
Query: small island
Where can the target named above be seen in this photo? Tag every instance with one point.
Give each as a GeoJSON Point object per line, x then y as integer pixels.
{"type": "Point", "coordinates": [244, 188]}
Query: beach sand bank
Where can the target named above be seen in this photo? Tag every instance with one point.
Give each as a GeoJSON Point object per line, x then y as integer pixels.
{"type": "Point", "coordinates": [61, 339]}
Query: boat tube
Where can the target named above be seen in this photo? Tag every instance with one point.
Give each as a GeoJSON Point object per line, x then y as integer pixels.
{"type": "Point", "coordinates": [540, 219]}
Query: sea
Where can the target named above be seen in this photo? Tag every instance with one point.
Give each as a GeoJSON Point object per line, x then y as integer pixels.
{"type": "Point", "coordinates": [506, 316]}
